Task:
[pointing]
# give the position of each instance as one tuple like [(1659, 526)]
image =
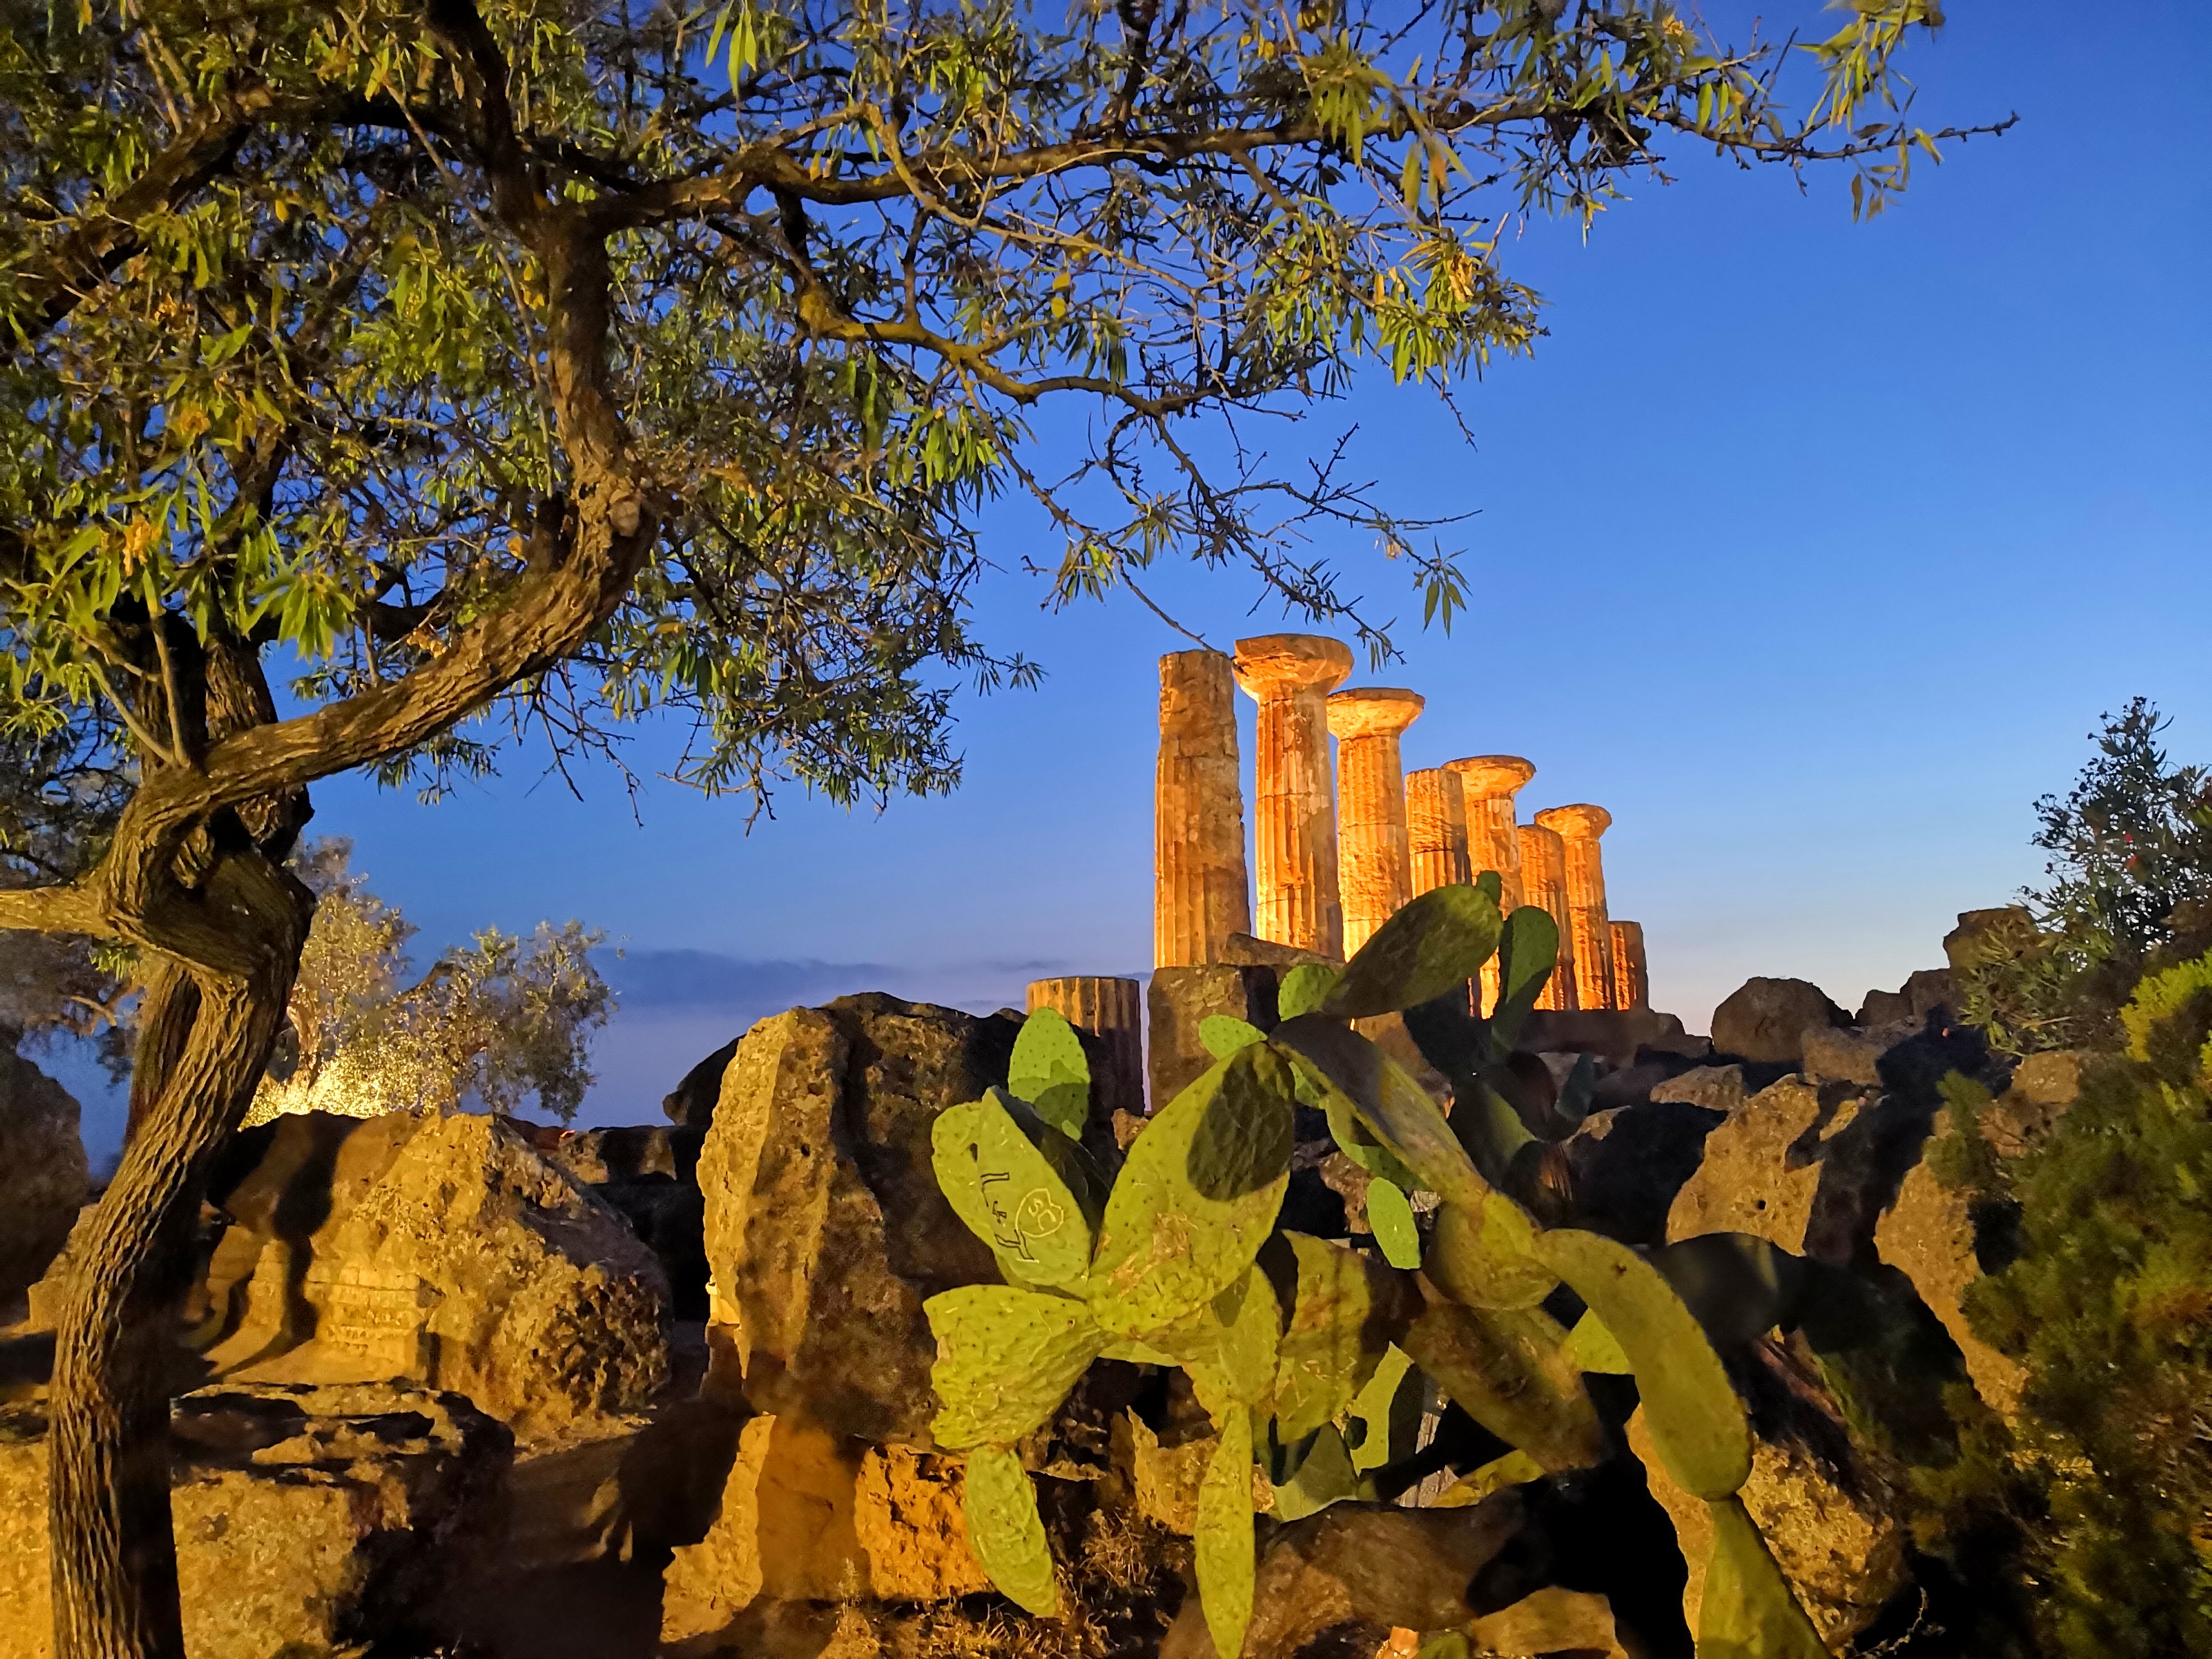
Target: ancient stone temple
[(1579, 827), (1200, 892), (1335, 849), (1289, 676), (1544, 879), (1435, 828), (1374, 867)]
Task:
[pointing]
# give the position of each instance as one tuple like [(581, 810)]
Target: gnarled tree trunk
[(114, 1570)]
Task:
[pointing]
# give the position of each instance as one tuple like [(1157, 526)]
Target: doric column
[(1435, 829), (1631, 974), (1486, 786), (1579, 827), (1374, 869), (1543, 882), (1200, 892), (1486, 783), (1110, 1013), (1289, 676)]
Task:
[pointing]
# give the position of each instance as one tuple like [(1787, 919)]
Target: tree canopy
[(335, 329)]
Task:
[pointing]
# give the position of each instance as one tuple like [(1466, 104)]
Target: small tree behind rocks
[(496, 1022)]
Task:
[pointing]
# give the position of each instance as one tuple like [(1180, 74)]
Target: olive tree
[(383, 380)]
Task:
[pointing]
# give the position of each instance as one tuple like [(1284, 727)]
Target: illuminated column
[(1435, 829), (1199, 894), (1544, 881), (1579, 827), (1112, 1010), (1289, 676), (1631, 974), (1374, 871), (1488, 784)]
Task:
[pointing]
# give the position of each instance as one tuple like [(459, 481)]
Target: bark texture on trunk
[(113, 1553)]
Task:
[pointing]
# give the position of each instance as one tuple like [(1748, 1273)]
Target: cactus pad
[(1005, 1532), (1197, 1197), (1696, 1422), (1224, 1537), (1438, 941), (1005, 1359), (1049, 1070)]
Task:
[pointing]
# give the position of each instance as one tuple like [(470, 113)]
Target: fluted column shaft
[(1544, 878), (1374, 867), (1579, 827), (1111, 1012), (1435, 829), (1201, 892), (1631, 972), (1289, 676), (1488, 784)]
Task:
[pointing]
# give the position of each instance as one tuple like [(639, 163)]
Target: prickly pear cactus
[(1159, 1263)]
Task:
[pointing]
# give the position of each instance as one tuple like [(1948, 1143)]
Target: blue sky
[(1811, 549)]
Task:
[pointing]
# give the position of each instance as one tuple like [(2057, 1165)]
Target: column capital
[(1487, 777), (1373, 711), (1273, 663), (1582, 821)]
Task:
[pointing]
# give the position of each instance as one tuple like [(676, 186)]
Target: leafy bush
[(2103, 1488)]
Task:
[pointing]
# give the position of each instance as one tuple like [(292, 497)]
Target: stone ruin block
[(308, 1519)]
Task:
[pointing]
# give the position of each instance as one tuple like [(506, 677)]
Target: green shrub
[(2104, 1485)]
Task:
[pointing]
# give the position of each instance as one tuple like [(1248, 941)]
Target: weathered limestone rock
[(1374, 874), (1631, 970), (807, 1515), (308, 1520), (441, 1249), (1200, 894), (1551, 1620), (825, 1228), (1488, 784), (1435, 829), (691, 1102), (1929, 1235), (1356, 1570), (1625, 1166), (2043, 1086), (1166, 1478), (648, 1173), (1759, 1171), (1766, 1019), (43, 1177), (1289, 676), (1828, 1509), (1543, 882), (1838, 1054), (1579, 827), (1109, 1013), (1720, 1087), (1179, 998), (1618, 1035)]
